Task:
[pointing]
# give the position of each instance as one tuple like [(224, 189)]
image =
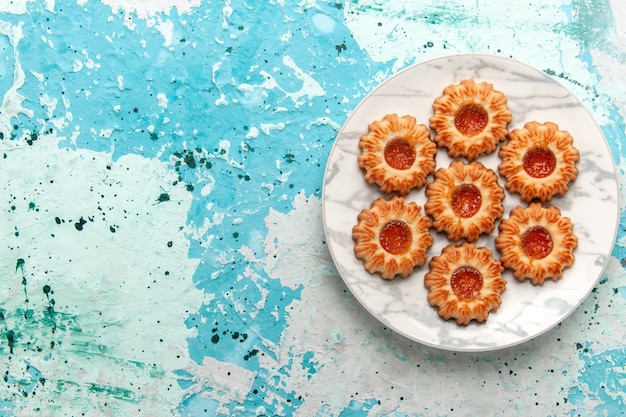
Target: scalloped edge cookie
[(460, 299), (447, 217), (395, 136), (524, 263), (367, 237), (549, 179), (470, 119)]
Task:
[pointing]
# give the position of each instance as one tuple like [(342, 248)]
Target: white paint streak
[(253, 133), (310, 87), (14, 6), (162, 100), (221, 381), (120, 82), (166, 28), (612, 65), (49, 103), (77, 66), (227, 12), (145, 9), (267, 128), (12, 101), (324, 121)]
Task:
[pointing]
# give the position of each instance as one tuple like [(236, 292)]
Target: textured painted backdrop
[(162, 251)]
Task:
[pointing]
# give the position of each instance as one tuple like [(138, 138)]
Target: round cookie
[(397, 154), (536, 243), (464, 283), (538, 161), (391, 237), (470, 119), (464, 200)]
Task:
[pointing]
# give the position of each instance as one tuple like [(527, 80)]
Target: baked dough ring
[(465, 283), (397, 154), (464, 200), (538, 161), (536, 243), (392, 237), (470, 119)]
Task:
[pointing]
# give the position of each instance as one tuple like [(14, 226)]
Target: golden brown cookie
[(464, 200), (470, 119), (536, 243), (391, 237), (397, 154), (464, 283), (538, 161)]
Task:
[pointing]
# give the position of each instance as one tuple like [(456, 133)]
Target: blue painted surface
[(261, 146)]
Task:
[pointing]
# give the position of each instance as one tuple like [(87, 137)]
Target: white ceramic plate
[(591, 202)]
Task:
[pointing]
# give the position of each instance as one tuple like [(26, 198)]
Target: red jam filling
[(471, 119), (539, 162), (395, 237), (537, 242), (466, 200), (399, 154), (466, 282)]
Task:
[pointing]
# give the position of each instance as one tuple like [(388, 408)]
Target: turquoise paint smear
[(221, 337), (199, 405), (7, 65), (41, 336), (614, 133), (601, 383), (309, 364), (593, 24), (39, 333), (6, 407), (359, 408), (85, 71), (460, 15)]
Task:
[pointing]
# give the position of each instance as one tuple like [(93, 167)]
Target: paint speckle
[(80, 224)]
